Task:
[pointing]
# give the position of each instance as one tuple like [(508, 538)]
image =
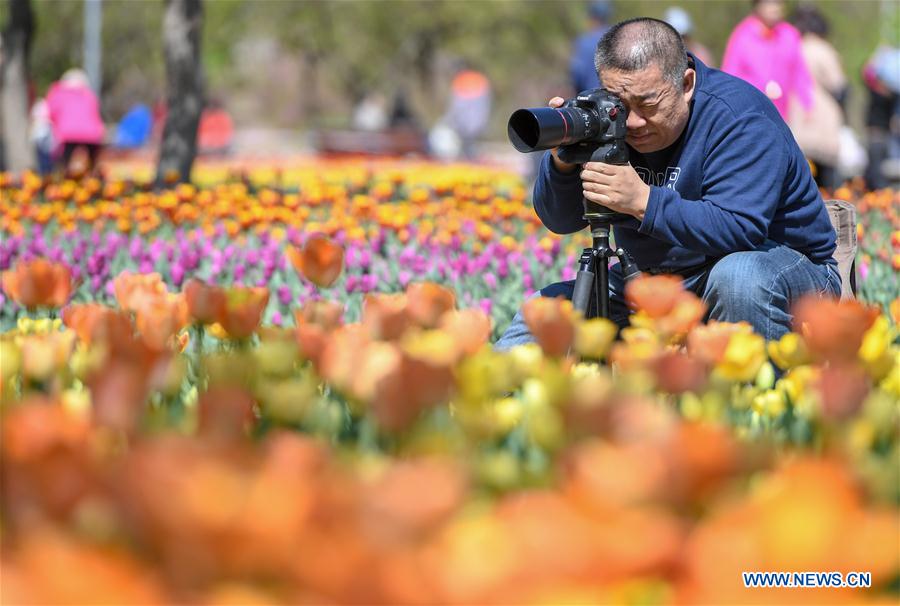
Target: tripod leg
[(581, 296), (603, 279)]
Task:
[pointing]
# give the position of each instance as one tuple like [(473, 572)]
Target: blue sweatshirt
[(733, 180)]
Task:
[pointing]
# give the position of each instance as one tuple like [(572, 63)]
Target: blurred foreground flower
[(833, 329), (243, 309), (552, 321), (662, 303), (38, 283), (206, 302)]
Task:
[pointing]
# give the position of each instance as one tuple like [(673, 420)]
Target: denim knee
[(758, 287), (737, 280)]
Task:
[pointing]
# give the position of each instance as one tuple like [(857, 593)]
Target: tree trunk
[(17, 153), (182, 25)]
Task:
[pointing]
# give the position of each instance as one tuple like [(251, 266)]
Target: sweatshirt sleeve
[(743, 172), (558, 199)]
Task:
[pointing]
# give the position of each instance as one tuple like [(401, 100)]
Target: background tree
[(182, 27), (17, 153), (297, 65)]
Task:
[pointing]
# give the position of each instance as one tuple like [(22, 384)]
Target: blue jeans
[(759, 287)]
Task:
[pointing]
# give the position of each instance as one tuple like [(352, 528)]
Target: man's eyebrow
[(646, 96)]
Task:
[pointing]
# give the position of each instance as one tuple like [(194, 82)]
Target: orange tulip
[(243, 310), (93, 322), (842, 389), (404, 385), (341, 362), (386, 317), (664, 306), (709, 342), (677, 373), (325, 314), (470, 327), (133, 290), (225, 412), (655, 295), (427, 302), (833, 329), (320, 260), (396, 498), (38, 283), (552, 322), (205, 301), (53, 568), (159, 320)]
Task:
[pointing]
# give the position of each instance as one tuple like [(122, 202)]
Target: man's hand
[(563, 167), (618, 188)]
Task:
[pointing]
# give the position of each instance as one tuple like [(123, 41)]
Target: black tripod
[(592, 280)]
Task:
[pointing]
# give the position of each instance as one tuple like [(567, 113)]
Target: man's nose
[(635, 120)]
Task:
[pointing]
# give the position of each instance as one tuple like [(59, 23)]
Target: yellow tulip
[(770, 403), (875, 351), (789, 351), (745, 354), (594, 337), (506, 414)]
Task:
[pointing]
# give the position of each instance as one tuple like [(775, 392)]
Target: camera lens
[(546, 127)]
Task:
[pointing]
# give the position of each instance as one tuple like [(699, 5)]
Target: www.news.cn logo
[(807, 579)]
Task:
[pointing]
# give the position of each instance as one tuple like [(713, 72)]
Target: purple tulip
[(486, 305), (177, 274), (368, 283), (284, 295)]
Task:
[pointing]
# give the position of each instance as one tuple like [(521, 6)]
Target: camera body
[(590, 127), (603, 117)]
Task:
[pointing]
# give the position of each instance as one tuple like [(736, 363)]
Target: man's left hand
[(616, 187)]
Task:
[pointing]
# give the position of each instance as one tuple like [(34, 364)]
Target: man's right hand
[(563, 167)]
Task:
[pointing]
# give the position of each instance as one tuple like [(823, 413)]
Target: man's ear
[(688, 84)]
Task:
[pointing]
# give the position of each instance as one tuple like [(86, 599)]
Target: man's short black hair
[(638, 43)]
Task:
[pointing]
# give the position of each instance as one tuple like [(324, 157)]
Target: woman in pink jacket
[(75, 117), (766, 51)]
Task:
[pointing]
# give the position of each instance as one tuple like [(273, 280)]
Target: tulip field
[(277, 386)]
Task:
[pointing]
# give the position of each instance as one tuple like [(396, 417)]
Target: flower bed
[(167, 439)]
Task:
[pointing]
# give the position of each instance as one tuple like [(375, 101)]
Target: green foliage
[(342, 50)]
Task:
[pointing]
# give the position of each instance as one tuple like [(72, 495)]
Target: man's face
[(658, 110)]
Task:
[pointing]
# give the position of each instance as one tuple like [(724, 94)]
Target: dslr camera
[(588, 128)]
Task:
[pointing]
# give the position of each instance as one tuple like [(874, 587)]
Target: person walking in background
[(881, 75), (41, 133), (678, 18), (470, 108), (75, 117), (817, 129), (765, 51), (582, 71)]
